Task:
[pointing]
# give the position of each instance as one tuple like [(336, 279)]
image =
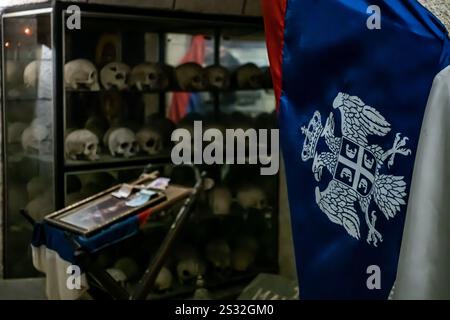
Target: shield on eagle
[(356, 167)]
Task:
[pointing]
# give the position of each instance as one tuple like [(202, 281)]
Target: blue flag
[(353, 80)]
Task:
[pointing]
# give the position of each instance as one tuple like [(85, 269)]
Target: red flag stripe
[(274, 12)]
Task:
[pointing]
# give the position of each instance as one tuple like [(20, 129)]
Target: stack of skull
[(152, 76), (81, 74), (148, 76)]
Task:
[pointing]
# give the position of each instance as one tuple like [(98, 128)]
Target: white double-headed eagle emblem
[(354, 166)]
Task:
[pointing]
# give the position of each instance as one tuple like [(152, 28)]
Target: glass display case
[(29, 148), (85, 109)]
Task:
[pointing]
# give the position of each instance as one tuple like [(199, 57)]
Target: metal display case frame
[(168, 21)]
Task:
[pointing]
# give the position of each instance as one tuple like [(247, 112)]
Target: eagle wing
[(389, 194), (374, 122), (337, 202), (360, 120)]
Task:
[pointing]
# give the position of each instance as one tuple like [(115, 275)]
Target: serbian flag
[(363, 89)]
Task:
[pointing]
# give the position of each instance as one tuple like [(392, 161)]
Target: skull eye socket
[(197, 79), (186, 273), (92, 75), (150, 143), (90, 146), (124, 145), (113, 69), (133, 146), (152, 76), (120, 76), (218, 79)]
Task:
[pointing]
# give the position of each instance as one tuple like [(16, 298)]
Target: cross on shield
[(356, 167)]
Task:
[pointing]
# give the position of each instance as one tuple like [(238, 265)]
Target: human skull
[(40, 206), (35, 186), (36, 139), (15, 131), (38, 75), (121, 142), (247, 242), (31, 74), (164, 279), (252, 197), (115, 74), (242, 259), (190, 76), (190, 268), (150, 76), (218, 253), (220, 200), (217, 77), (150, 141), (81, 143), (249, 76), (35, 71), (45, 122), (81, 74), (118, 276)]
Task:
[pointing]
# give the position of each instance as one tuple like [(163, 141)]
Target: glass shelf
[(107, 162)]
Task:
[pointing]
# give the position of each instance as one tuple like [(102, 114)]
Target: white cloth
[(424, 265), (55, 269)]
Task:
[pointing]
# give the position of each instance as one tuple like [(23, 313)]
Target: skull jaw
[(154, 150), (196, 86), (221, 83), (127, 153), (84, 156), (122, 86), (95, 87), (119, 86), (218, 85), (93, 157), (144, 85), (88, 85), (155, 85)]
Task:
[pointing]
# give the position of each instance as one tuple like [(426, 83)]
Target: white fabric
[(424, 266), (49, 262)]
